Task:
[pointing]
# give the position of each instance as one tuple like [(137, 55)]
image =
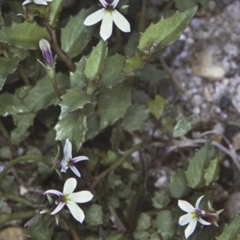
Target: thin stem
[(119, 162), (19, 200), (23, 74), (231, 152), (3, 50), (143, 13), (7, 137), (71, 228), (57, 49), (166, 68), (118, 43), (56, 89), (4, 131), (192, 143), (4, 218), (22, 159)]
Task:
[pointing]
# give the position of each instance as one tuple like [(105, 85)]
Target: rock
[(207, 68), (236, 141), (197, 100), (13, 233), (232, 206), (207, 94)]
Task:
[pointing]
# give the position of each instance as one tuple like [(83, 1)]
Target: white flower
[(108, 15), (68, 161), (40, 2), (194, 215), (69, 198)]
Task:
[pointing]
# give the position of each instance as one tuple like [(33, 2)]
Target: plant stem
[(119, 162), (57, 49), (143, 13), (56, 89), (7, 137), (71, 228), (19, 199), (22, 159), (4, 218), (23, 74)]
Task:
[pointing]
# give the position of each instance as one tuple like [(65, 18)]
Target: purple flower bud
[(46, 51)]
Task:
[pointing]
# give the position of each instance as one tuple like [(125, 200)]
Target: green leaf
[(144, 221), (178, 186), (132, 44), (212, 172), (113, 235), (24, 35), (22, 123), (109, 158), (161, 199), (231, 231), (72, 100), (94, 215), (151, 73), (73, 127), (157, 105), (141, 235), (77, 78), (11, 105), (116, 137), (93, 126), (7, 66), (95, 62), (112, 72), (42, 95), (5, 152), (183, 5), (135, 117), (120, 99), (133, 63), (40, 230), (182, 127), (18, 53), (56, 7), (75, 36), (197, 165), (166, 225), (165, 32)]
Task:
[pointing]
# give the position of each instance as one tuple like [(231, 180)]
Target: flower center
[(60, 199), (109, 6)]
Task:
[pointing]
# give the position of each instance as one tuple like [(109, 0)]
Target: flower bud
[(47, 53)]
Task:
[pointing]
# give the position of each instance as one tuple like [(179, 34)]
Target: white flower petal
[(186, 206), (115, 3), (185, 219), (94, 17), (121, 22), (76, 211), (190, 228), (26, 2), (198, 201), (40, 2), (67, 151), (106, 26), (79, 158), (203, 222), (69, 186), (104, 3), (64, 164), (58, 208), (52, 191), (75, 171), (81, 197)]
